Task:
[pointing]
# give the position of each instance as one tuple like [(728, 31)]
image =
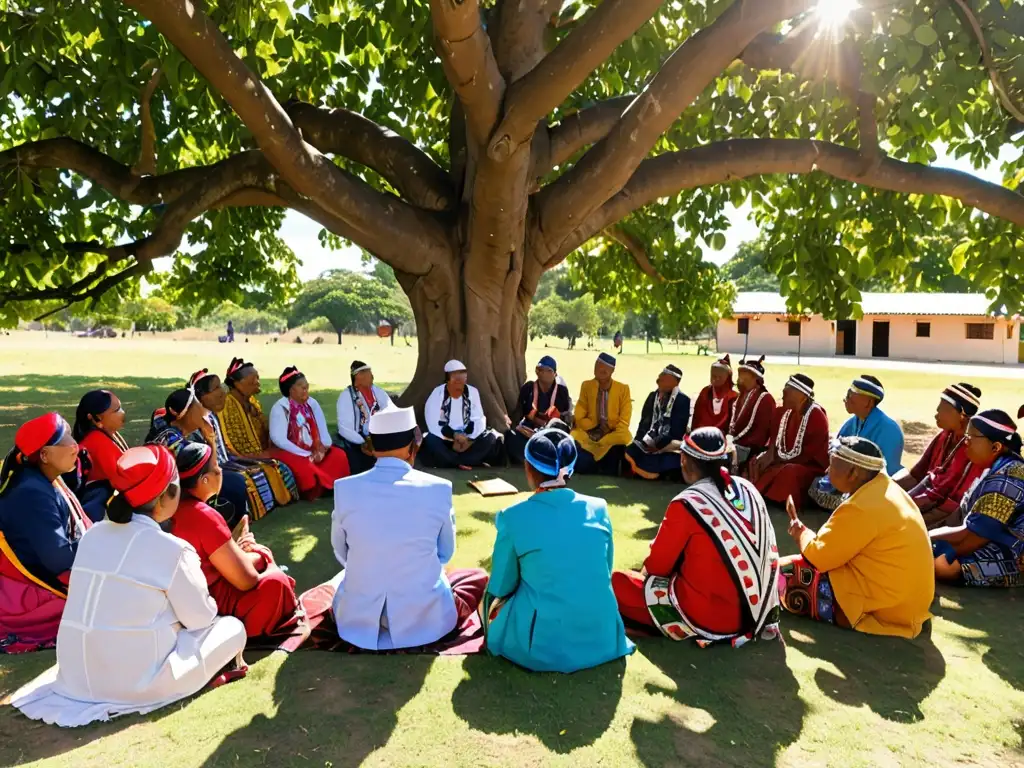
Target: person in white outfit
[(356, 404), (140, 630), (393, 531), (457, 433)]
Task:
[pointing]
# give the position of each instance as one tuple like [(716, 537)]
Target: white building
[(947, 327)]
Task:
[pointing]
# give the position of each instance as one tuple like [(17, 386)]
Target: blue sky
[(301, 233)]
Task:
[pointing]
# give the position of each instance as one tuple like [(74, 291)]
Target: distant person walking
[(617, 342), (231, 332)]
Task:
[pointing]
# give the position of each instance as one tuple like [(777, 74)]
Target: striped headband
[(360, 369), (800, 386), (993, 430), (205, 451), (677, 373), (845, 448), (868, 388), (756, 367), (690, 448), (289, 375), (962, 399), (724, 364)]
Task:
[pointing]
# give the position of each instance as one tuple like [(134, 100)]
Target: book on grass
[(494, 487)]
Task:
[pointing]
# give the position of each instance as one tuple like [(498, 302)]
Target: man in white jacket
[(457, 428), (356, 404)]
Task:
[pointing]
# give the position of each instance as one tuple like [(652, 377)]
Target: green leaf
[(717, 241), (926, 35), (958, 259), (900, 27)]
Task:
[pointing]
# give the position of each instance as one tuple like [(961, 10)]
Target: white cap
[(392, 420), (453, 365)]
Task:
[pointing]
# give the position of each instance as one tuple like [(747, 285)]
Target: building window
[(983, 331), (924, 330), (1009, 330), (743, 326), (794, 327)]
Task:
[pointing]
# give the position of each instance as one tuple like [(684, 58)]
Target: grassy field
[(825, 698)]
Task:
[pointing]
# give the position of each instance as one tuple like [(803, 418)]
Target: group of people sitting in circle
[(139, 566)]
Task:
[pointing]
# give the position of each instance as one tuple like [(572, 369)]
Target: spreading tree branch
[(636, 249), (1005, 98), (405, 166), (385, 225), (519, 44), (606, 168), (564, 69), (726, 161), (577, 131), (469, 63), (146, 165)]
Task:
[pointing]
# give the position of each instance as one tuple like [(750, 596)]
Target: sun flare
[(834, 13)]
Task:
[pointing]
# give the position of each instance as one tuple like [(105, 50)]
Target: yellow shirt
[(620, 411), (876, 551)]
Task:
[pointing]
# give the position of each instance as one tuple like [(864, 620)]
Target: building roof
[(957, 304)]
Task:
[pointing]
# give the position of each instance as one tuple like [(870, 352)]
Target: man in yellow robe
[(870, 566), (602, 419)]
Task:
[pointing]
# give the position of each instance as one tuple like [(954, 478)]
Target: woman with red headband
[(298, 430), (711, 573), (140, 630), (98, 421), (243, 577), (41, 523), (180, 422)]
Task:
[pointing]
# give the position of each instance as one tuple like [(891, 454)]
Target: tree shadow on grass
[(749, 695), (891, 675), (995, 613), (564, 712), (332, 709)]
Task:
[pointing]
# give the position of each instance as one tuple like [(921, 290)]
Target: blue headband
[(607, 359), (550, 466), (865, 387), (548, 362)]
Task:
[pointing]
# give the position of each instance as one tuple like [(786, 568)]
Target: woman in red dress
[(242, 576), (298, 430), (715, 403), (798, 450), (98, 421)]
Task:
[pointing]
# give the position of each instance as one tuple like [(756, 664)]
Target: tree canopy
[(473, 145), (351, 302)]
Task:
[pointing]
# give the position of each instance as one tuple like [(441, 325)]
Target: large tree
[(474, 144)]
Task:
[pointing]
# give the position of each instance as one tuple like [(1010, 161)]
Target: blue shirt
[(36, 520), (553, 563), (883, 432), (393, 530)]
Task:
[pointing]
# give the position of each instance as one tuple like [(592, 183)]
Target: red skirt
[(271, 603), (29, 614), (314, 479), (781, 481)]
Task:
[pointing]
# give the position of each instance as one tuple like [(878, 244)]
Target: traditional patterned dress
[(995, 511), (355, 407), (712, 571), (751, 424), (663, 422), (295, 430), (944, 476), (41, 524), (268, 482), (538, 409), (801, 452), (870, 563), (714, 408)]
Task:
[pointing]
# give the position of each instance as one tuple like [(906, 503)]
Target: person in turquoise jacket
[(867, 420), (549, 605)]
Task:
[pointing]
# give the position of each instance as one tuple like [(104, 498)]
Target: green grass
[(826, 698)]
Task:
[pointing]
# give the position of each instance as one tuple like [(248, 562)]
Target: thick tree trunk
[(451, 325)]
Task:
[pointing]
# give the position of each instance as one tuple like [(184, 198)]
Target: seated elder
[(393, 531), (140, 630), (939, 481), (242, 577), (711, 573), (601, 420), (798, 450), (988, 549), (663, 423), (181, 421), (98, 421), (864, 404), (356, 404), (298, 430), (549, 605), (715, 405), (869, 567), (750, 427), (41, 523), (268, 482), (541, 401), (457, 433)]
